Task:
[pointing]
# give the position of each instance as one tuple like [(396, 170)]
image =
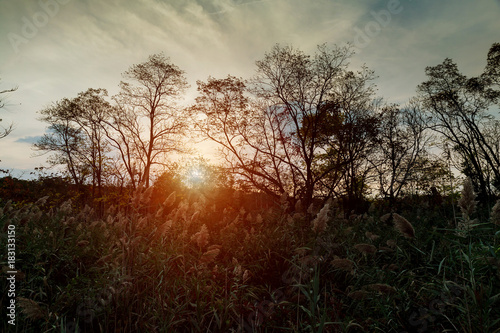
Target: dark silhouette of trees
[(64, 140), (146, 124), (287, 131), (76, 136), (458, 108), (402, 146)]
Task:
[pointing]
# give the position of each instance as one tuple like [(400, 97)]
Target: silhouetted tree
[(272, 131), (146, 124), (76, 136), (458, 107), (65, 139), (403, 142)]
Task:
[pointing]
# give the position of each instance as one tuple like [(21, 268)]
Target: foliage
[(188, 262)]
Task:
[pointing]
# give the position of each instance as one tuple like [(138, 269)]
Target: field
[(229, 261)]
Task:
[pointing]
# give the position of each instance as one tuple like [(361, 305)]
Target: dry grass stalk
[(381, 288), (391, 243), (30, 308), (319, 224), (384, 218), (403, 226), (210, 255), (201, 237), (366, 248), (164, 228), (358, 294), (467, 201), (371, 236), (495, 213), (345, 265)]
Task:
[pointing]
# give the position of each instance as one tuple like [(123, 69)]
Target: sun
[(195, 176)]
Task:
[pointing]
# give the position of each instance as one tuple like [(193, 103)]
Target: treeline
[(307, 126)]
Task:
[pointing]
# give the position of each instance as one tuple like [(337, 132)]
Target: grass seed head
[(403, 226), (495, 213), (366, 248), (467, 202)]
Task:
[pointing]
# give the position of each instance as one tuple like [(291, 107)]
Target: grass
[(190, 264)]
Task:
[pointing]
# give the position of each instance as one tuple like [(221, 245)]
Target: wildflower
[(298, 206), (391, 243), (164, 228), (358, 294), (195, 216), (66, 207), (403, 226), (83, 243), (467, 206), (159, 213), (320, 222)]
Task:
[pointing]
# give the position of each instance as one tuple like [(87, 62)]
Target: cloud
[(29, 139), (89, 43)]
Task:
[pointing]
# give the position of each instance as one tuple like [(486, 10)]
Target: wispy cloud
[(29, 139)]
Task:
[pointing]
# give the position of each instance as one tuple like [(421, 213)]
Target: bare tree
[(272, 133), (90, 112), (146, 124), (64, 139), (76, 136), (402, 144), (458, 107)]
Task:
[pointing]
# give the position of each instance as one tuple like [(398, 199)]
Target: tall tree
[(64, 139), (270, 131), (350, 137), (402, 145), (147, 124), (76, 136), (90, 114), (459, 109)]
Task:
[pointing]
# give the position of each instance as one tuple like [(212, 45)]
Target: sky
[(54, 49)]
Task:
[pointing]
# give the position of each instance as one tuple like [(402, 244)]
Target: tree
[(90, 114), (270, 132), (458, 108), (146, 124), (76, 136), (402, 144), (4, 131), (64, 140), (349, 136)]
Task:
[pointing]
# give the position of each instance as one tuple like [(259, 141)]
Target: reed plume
[(403, 226)]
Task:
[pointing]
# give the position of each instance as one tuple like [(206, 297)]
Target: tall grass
[(189, 265)]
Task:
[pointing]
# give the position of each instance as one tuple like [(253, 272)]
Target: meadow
[(229, 261)]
